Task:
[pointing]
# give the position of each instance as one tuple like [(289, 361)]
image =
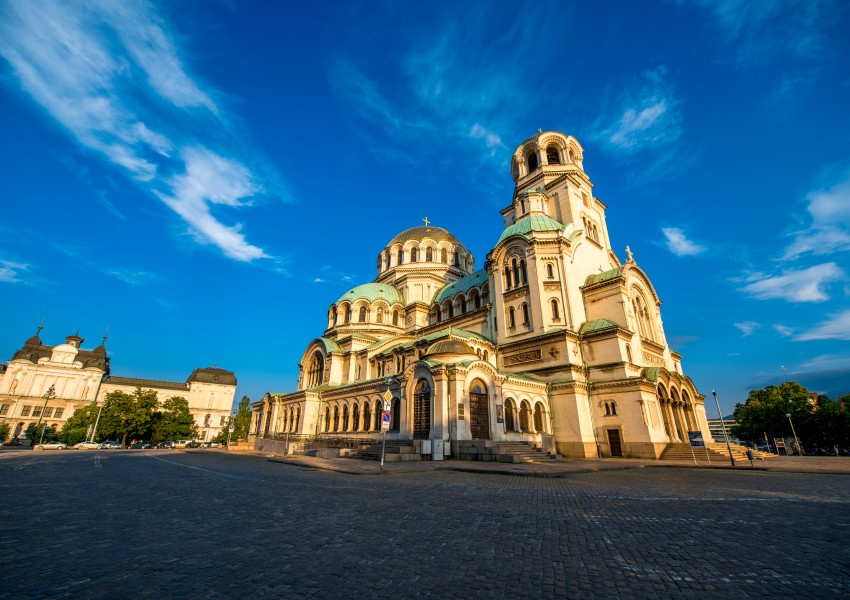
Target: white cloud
[(826, 362), (804, 285), (132, 277), (10, 272), (836, 327), (80, 62), (747, 327), (829, 231), (646, 116), (493, 141), (783, 330), (679, 244)]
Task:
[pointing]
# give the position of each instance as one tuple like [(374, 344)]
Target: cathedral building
[(48, 383), (555, 341)]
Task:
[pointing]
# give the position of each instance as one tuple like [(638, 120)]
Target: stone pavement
[(175, 524)]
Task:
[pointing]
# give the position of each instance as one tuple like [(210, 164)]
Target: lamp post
[(96, 421), (50, 393), (286, 450), (723, 425), (796, 441)]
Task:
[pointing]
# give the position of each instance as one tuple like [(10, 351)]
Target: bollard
[(751, 457)]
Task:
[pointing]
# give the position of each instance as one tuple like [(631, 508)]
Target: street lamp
[(723, 425), (51, 393), (289, 427), (796, 441)]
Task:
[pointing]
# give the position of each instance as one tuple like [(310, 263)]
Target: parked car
[(193, 444), (167, 444), (87, 446), (13, 443), (209, 445), (181, 443), (111, 445), (142, 445), (51, 446)]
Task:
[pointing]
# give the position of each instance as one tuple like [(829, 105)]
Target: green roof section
[(330, 345), (606, 276), (372, 292), (528, 224), (598, 325), (476, 279), (650, 373)]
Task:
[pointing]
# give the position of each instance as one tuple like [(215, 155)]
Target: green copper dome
[(438, 234), (529, 224), (372, 292)]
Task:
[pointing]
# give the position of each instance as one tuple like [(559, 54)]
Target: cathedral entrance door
[(479, 413), (614, 442), (422, 410)]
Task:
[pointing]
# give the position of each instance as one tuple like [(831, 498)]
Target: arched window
[(380, 261), (362, 314), (387, 258), (525, 416), (476, 299), (333, 316), (336, 418), (297, 417), (355, 418), (456, 258), (438, 314), (515, 265), (614, 408), (347, 314), (522, 206), (507, 277), (539, 421), (377, 425), (400, 256), (511, 318), (523, 272), (532, 162), (395, 415), (429, 255), (367, 416), (485, 355), (462, 305), (316, 370), (607, 410), (629, 353), (345, 417), (422, 410), (327, 418), (552, 156), (525, 319), (556, 314), (444, 256), (449, 309), (395, 318), (550, 271), (380, 316), (414, 255), (510, 415)]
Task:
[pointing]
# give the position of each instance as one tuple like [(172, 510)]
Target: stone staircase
[(718, 453), (524, 452), (396, 451)]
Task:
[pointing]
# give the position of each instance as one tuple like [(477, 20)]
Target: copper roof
[(438, 234)]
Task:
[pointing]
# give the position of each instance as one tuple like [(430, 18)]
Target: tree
[(174, 421), (241, 422), (5, 428), (128, 414), (77, 426)]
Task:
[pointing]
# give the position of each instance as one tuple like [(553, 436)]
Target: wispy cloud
[(678, 243), (80, 62), (803, 285), (747, 327), (11, 272), (827, 362), (835, 327), (646, 115), (132, 277), (760, 32), (783, 330), (829, 231)]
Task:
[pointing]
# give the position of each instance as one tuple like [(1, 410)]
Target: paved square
[(159, 524)]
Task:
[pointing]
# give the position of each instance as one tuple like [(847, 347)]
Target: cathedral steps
[(523, 452), (396, 451), (717, 452)]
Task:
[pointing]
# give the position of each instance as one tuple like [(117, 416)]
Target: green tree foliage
[(75, 428), (5, 429), (174, 421), (126, 415), (241, 422), (820, 423)]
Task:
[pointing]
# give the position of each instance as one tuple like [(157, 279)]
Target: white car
[(87, 446), (51, 446)]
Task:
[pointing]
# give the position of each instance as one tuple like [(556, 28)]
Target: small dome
[(212, 375), (438, 234), (450, 347), (372, 292)]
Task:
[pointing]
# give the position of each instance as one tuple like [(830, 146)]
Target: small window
[(48, 412), (511, 318), (532, 162), (380, 316), (362, 314), (552, 156), (222, 421), (462, 305), (348, 314), (525, 314), (556, 314), (523, 272), (507, 277), (400, 256), (614, 409), (4, 408), (550, 271), (444, 256), (36, 411), (414, 255), (429, 255), (395, 318), (456, 259)]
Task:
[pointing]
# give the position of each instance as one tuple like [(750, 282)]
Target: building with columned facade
[(554, 340)]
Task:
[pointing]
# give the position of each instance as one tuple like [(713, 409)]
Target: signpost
[(386, 418), (230, 431), (697, 441)]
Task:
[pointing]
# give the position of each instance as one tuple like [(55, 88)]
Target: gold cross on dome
[(427, 222)]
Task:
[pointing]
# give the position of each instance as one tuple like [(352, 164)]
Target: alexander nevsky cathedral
[(555, 342)]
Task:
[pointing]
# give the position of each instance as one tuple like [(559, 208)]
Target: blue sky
[(207, 178)]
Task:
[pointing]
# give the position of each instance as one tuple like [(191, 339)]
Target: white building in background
[(80, 376), (554, 341)]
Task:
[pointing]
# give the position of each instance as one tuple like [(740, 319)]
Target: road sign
[(386, 417), (207, 425), (388, 396), (696, 439), (232, 428)]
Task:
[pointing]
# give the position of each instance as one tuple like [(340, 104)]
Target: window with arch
[(333, 316), (367, 416), (449, 309), (345, 417), (556, 313), (414, 255), (643, 318), (462, 305), (539, 421), (552, 155), (511, 318), (429, 255), (377, 424), (485, 355), (444, 256), (316, 369), (629, 353), (395, 318), (327, 418), (336, 418), (523, 272), (387, 258), (456, 259), (355, 418), (525, 319), (400, 256), (380, 262), (379, 317), (532, 162), (515, 269), (475, 298), (347, 314), (550, 271), (522, 206), (507, 277), (510, 415), (362, 318), (438, 314)]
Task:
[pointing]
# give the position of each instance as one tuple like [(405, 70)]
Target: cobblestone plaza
[(154, 524)]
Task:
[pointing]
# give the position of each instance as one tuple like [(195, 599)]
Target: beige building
[(555, 341), (80, 376)]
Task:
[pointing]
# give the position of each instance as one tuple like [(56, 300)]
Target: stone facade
[(81, 376), (555, 341)]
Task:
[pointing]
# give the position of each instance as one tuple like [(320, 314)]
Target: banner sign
[(696, 439), (500, 414)]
